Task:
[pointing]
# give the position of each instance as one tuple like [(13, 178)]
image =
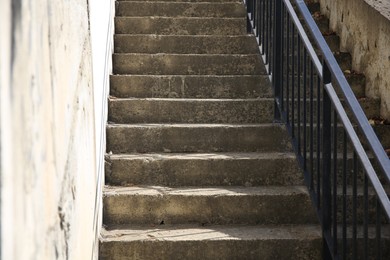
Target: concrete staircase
[(196, 168)]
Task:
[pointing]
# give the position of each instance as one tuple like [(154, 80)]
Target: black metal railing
[(345, 167)]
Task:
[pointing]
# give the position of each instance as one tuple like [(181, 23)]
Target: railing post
[(326, 206), (249, 10), (277, 57)]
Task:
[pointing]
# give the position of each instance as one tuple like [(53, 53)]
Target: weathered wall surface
[(48, 159), (364, 29)]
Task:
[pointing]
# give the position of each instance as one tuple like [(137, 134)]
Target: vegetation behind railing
[(344, 164)]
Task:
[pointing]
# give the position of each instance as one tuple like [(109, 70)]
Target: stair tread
[(180, 9), (185, 100), (204, 191), (180, 25), (186, 125), (203, 156), (217, 232)]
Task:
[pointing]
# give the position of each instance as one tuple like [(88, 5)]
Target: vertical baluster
[(304, 108), (270, 33), (335, 182), (326, 162), (288, 70), (365, 217), (293, 101), (354, 206), (282, 34), (344, 197), (318, 141), (277, 55), (267, 31), (378, 229), (285, 25), (263, 2), (311, 126), (258, 18), (299, 95)]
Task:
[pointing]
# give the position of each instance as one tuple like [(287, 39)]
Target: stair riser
[(190, 86), (185, 44), (190, 111), (206, 172), (213, 249), (197, 139), (184, 209), (180, 26), (174, 9), (165, 64)]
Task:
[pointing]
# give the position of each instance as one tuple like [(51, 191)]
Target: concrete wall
[(364, 29), (50, 146)]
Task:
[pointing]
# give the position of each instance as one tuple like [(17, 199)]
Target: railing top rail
[(348, 95)]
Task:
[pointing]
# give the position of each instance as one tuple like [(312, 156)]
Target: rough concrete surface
[(143, 138), (190, 86), (180, 26), (203, 169), (140, 8), (208, 205), (364, 30), (231, 111), (213, 242), (188, 64), (50, 169), (185, 44)]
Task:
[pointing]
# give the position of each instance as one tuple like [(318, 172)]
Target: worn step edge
[(156, 110), (180, 26), (185, 44), (180, 9), (215, 242), (203, 169), (124, 233), (188, 64), (215, 205), (144, 138), (190, 86)]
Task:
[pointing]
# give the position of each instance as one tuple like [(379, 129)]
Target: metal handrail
[(346, 90), (281, 36)]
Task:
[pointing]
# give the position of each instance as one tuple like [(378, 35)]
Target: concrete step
[(212, 242), (333, 41), (177, 138), (383, 133), (207, 205), (370, 106), (179, 9), (357, 81), (180, 26), (188, 64), (203, 169), (322, 22), (187, 86), (186, 44), (313, 6), (192, 111), (344, 60)]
